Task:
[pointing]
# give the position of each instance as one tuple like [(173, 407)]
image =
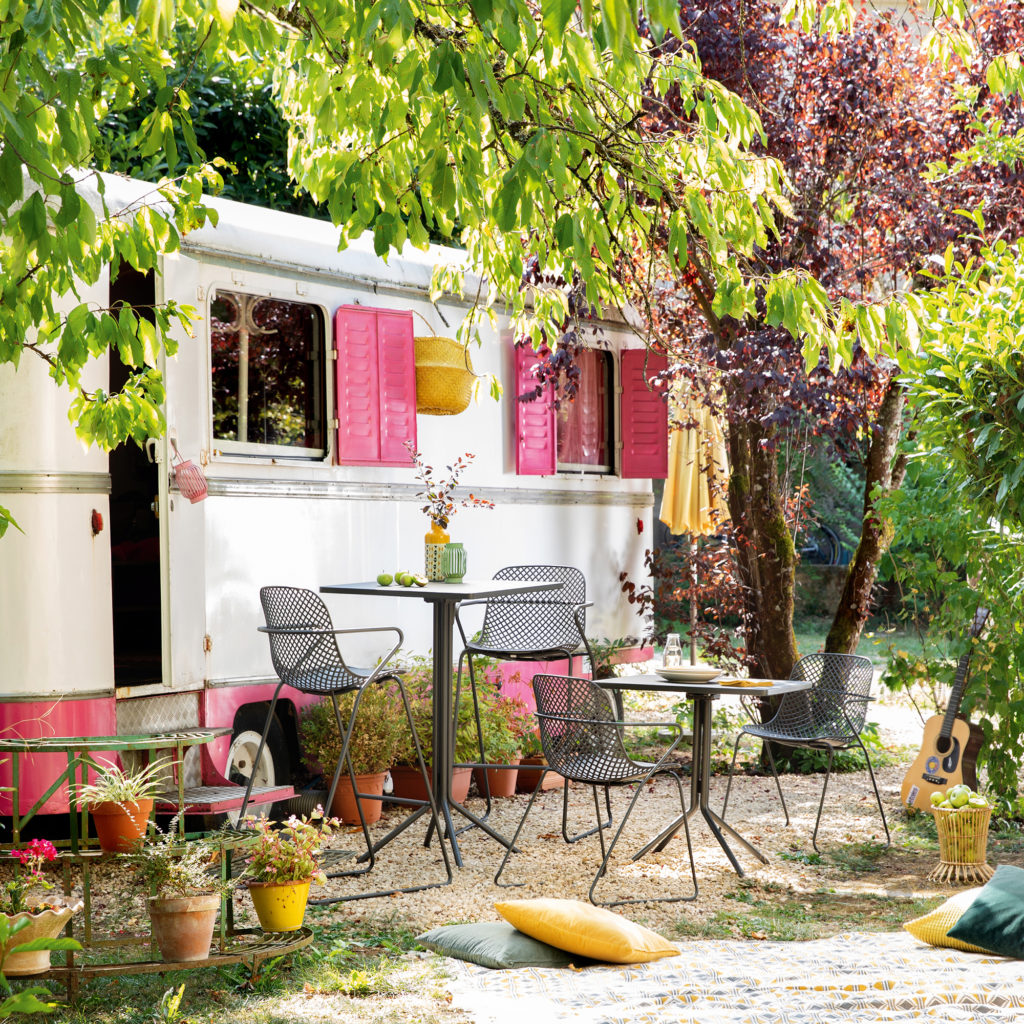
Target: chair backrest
[(310, 662), (577, 728), (541, 621), (836, 705)]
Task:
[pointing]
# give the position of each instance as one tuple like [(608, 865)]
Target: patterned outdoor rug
[(847, 979)]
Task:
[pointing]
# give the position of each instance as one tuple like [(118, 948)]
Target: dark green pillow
[(495, 944), (995, 920)]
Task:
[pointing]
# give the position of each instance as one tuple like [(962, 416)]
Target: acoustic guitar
[(949, 750)]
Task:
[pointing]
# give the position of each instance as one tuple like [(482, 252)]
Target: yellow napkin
[(744, 682)]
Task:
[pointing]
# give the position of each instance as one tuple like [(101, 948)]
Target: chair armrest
[(299, 631)]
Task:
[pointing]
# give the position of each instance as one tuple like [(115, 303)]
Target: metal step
[(221, 799)]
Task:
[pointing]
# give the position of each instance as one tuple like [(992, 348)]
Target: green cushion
[(495, 944), (995, 920)]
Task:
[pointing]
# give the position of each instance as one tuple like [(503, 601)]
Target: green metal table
[(80, 751)]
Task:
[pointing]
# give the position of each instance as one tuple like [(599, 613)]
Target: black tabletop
[(470, 590)]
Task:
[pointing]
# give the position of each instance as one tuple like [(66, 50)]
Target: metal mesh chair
[(305, 653), (829, 717), (538, 626), (582, 740)]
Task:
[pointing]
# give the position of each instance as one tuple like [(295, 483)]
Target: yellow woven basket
[(963, 844), (444, 376)]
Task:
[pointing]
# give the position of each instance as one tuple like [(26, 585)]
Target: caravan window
[(583, 425), (267, 365)]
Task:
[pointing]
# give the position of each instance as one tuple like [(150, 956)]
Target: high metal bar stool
[(306, 656)]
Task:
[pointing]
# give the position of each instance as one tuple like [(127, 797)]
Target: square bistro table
[(444, 597), (702, 695)]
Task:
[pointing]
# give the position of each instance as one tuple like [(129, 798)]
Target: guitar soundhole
[(943, 744)]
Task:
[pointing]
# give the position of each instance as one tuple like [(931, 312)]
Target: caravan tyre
[(273, 767)]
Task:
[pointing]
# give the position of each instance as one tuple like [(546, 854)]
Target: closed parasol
[(694, 500)]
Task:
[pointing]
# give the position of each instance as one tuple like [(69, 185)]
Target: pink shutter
[(397, 360), (357, 386), (535, 421), (644, 417), (375, 386)]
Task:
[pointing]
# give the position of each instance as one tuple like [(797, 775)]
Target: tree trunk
[(884, 473), (764, 549)]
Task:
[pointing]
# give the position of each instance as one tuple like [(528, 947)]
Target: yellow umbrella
[(694, 500)]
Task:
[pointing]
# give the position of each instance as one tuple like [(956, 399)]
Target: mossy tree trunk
[(764, 550), (884, 472)]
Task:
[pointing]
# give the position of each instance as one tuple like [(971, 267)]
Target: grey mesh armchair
[(305, 653), (582, 740), (829, 717), (540, 626)]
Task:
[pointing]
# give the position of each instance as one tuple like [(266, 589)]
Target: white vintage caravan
[(125, 608)]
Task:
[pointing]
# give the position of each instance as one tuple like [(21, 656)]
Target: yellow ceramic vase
[(434, 543), (280, 906)]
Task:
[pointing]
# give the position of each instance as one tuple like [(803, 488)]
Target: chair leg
[(878, 798), (607, 856), (590, 831), (775, 773), (522, 821), (732, 766), (435, 820), (821, 802), (259, 753)]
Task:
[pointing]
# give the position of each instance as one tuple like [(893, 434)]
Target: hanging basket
[(444, 376)]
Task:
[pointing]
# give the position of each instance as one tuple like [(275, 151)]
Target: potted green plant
[(27, 918), (504, 725), (121, 802), (184, 890), (282, 862), (375, 739), (405, 774)]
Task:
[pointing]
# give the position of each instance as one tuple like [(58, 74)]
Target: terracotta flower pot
[(119, 826), (527, 781), (280, 906), (183, 926), (409, 784), (346, 805), (500, 781), (47, 924)]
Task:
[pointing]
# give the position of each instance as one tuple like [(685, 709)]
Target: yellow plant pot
[(280, 906)]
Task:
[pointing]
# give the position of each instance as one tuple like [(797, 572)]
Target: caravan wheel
[(272, 768)]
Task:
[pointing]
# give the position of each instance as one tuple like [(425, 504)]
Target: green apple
[(406, 579), (937, 797), (977, 800), (959, 795), (420, 581), (385, 579)]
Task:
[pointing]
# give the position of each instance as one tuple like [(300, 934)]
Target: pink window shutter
[(644, 417), (397, 361), (535, 421), (357, 386), (375, 386)]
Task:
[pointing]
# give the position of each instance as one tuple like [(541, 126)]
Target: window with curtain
[(584, 425)]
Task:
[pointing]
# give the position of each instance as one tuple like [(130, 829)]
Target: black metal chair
[(582, 740), (540, 626), (306, 656), (829, 717)]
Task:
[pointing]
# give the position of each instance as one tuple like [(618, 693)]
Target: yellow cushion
[(586, 930), (934, 926)]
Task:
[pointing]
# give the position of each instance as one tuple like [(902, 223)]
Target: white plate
[(688, 673)]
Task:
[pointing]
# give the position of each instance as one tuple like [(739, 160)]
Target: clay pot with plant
[(282, 862), (533, 755), (378, 731), (26, 917), (418, 680), (504, 725), (121, 802), (184, 890)]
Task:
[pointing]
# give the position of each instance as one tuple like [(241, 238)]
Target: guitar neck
[(956, 695)]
